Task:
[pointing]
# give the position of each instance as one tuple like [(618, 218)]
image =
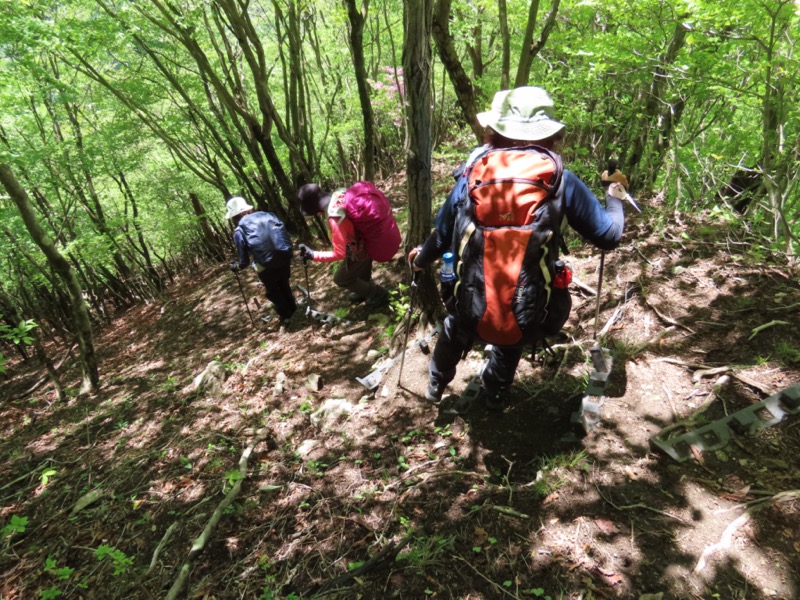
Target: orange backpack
[(506, 242)]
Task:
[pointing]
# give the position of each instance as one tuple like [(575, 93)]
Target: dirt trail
[(382, 495)]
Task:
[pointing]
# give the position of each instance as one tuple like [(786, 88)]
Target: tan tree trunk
[(80, 314), (418, 15), (357, 18), (466, 92), (530, 48), (505, 37)]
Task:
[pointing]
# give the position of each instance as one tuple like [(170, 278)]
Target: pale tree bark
[(417, 22), (530, 48), (80, 314), (466, 92), (357, 18), (774, 115)]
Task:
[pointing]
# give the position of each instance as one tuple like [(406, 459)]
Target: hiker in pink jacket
[(357, 238)]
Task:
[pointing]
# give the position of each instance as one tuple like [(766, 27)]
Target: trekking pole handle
[(611, 167)]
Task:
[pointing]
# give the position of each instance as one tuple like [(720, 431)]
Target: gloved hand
[(234, 266), (617, 190), (306, 253), (412, 254), (616, 176)]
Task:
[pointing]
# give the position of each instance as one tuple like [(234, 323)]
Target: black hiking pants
[(455, 339), (276, 281)]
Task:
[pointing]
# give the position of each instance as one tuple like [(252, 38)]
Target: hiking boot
[(287, 321), (355, 298), (493, 398), (434, 393), (378, 299)]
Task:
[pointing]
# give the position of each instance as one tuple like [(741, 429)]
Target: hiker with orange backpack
[(363, 229), (502, 222)]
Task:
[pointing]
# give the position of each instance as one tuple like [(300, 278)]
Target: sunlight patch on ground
[(183, 489), (143, 433), (715, 515)]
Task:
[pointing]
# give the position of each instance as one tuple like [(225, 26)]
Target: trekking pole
[(241, 289), (308, 286), (611, 167), (599, 290), (408, 324)]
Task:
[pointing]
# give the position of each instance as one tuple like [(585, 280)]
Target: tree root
[(160, 547), (741, 521), (643, 507), (200, 543), (667, 319)]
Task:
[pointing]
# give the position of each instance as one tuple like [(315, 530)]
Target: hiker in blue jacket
[(264, 236), (519, 117)]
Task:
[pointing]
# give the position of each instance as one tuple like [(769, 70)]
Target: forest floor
[(351, 493)]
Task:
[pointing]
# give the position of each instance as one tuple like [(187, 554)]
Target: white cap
[(236, 206)]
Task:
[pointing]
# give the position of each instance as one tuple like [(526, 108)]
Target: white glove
[(617, 190)]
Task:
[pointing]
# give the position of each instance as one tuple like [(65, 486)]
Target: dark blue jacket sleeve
[(441, 240), (601, 226), (241, 248)]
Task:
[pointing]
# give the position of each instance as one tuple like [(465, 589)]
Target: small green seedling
[(120, 561), (15, 525)]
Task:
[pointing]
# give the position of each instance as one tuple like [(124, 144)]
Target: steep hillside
[(351, 493)]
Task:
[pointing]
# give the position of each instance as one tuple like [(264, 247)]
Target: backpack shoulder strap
[(558, 170)]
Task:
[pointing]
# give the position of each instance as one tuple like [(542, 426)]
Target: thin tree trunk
[(356, 18), (505, 37), (83, 324), (49, 367), (418, 21), (530, 48), (466, 92), (652, 110)]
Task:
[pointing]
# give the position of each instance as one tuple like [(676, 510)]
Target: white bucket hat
[(524, 113), (236, 206)]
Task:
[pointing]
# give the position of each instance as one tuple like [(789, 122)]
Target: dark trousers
[(454, 341), (356, 277), (276, 281)]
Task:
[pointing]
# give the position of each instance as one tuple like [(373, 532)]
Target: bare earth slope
[(385, 496)]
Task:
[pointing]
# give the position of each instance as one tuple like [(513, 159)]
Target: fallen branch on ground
[(639, 348), (39, 383), (161, 544), (691, 419), (26, 475), (617, 313), (741, 521), (764, 389), (389, 551), (761, 328), (493, 584), (507, 510), (643, 507), (663, 317), (200, 543), (708, 370), (583, 286)]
